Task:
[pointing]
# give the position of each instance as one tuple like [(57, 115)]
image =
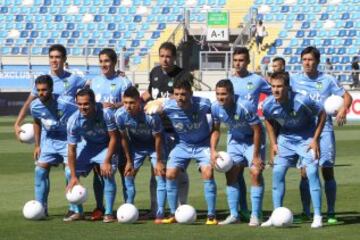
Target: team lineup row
[(294, 120)]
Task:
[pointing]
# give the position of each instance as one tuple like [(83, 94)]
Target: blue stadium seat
[(272, 51), (287, 51), (312, 33), (349, 24), (305, 25), (70, 26), (331, 51), (278, 42), (116, 34), (300, 34), (155, 35), (111, 26), (135, 43), (75, 34), (161, 26), (345, 60), (348, 42), (34, 34), (65, 34), (300, 17), (137, 18)]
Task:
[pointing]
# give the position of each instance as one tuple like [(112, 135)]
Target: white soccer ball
[(127, 213), (282, 217), (224, 162), (33, 210), (185, 214), (332, 104), (77, 195), (27, 133)]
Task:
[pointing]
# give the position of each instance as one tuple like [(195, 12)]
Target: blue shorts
[(90, 155), (242, 152), (53, 152), (182, 153), (290, 151), (139, 154), (327, 149)]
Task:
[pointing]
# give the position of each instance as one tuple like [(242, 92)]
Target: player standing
[(92, 140), (300, 121), (245, 145)]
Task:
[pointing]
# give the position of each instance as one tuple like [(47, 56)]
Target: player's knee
[(207, 173), (328, 174), (171, 174)]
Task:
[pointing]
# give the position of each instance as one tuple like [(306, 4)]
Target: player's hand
[(73, 181), (258, 163), (341, 116), (37, 151), (155, 106), (129, 169), (108, 105), (160, 169), (273, 152), (213, 156), (105, 170), (315, 150), (18, 130)]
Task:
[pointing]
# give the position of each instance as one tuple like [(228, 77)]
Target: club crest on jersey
[(60, 113), (293, 113), (171, 83), (66, 84), (319, 85), (250, 86), (236, 117), (112, 87)]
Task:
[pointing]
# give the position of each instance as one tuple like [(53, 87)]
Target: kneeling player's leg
[(172, 188), (278, 188), (233, 189), (257, 191), (159, 174), (42, 186), (153, 190), (110, 192), (305, 192), (72, 207), (209, 188), (183, 184), (242, 195), (315, 187)]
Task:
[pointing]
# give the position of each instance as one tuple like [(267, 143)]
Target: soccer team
[(104, 125)]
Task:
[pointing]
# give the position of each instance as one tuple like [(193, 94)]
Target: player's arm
[(273, 140), (314, 145), (257, 161), (37, 137), (72, 166), (160, 167), (341, 115), (106, 166), (145, 96), (214, 140), (22, 115), (129, 166)]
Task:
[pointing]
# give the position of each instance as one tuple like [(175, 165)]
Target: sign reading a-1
[(217, 26)]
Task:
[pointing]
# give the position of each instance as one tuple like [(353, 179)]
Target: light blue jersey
[(191, 125), (68, 85), (93, 130), (250, 87), (318, 89), (239, 118), (296, 117), (140, 128), (109, 89), (53, 117)]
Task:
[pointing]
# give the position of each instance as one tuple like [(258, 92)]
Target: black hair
[(168, 46), (110, 53), (280, 59), (183, 81), (132, 92), (45, 79), (281, 76), (242, 50), (58, 47), (86, 92), (313, 50), (226, 83)]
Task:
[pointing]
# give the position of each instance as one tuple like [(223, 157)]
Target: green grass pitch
[(16, 187)]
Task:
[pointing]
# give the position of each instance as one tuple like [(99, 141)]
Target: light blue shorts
[(327, 149), (53, 152), (242, 152), (290, 151), (90, 155), (182, 153), (139, 155)]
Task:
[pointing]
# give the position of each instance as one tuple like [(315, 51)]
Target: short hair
[(182, 81), (242, 50), (168, 46), (313, 50), (132, 92), (110, 53), (279, 59), (45, 79), (86, 92), (281, 76), (226, 83), (58, 47)]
